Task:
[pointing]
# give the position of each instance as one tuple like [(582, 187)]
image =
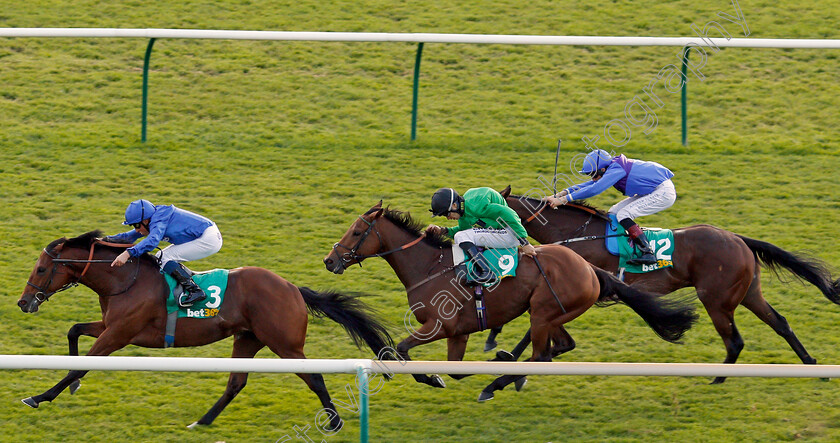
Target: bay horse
[(446, 307), (260, 309), (722, 266)]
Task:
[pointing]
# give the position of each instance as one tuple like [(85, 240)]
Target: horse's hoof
[(489, 346), (335, 427), (195, 425), (30, 402), (436, 381), (519, 383), (718, 380), (75, 386), (504, 356), (485, 396)]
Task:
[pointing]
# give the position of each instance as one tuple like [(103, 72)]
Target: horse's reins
[(57, 260), (351, 255)]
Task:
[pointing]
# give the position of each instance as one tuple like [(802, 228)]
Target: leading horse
[(260, 309), (563, 289), (722, 266)]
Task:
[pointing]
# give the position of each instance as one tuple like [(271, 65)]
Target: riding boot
[(192, 293), (638, 236), (481, 269)]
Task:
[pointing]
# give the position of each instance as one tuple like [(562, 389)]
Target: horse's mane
[(83, 241), (408, 224), (578, 205)]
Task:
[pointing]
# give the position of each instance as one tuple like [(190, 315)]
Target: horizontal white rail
[(185, 364), (422, 37)]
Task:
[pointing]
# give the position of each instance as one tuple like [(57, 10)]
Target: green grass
[(284, 143)]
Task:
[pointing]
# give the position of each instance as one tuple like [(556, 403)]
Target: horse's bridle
[(43, 295), (350, 255)]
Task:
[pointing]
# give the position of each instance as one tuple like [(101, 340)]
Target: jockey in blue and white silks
[(647, 185), (192, 237)]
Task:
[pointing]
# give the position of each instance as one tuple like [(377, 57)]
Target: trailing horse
[(722, 266)]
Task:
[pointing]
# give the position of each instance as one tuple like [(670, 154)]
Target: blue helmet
[(137, 211), (596, 160)]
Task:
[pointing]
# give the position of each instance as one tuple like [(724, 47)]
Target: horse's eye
[(356, 233), (41, 270)]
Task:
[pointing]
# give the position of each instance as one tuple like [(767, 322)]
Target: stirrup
[(188, 299), (645, 259)]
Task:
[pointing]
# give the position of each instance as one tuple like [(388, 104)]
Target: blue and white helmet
[(596, 160), (137, 211)]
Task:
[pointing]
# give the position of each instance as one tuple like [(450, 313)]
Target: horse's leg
[(540, 338), (108, 342), (490, 343), (563, 342), (429, 331), (724, 322), (245, 345), (756, 303), (93, 329), (455, 348), (517, 350)]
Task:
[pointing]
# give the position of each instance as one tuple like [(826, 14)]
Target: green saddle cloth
[(213, 283), (662, 243), (503, 263)]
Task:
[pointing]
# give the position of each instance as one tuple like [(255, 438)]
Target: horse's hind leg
[(540, 339), (756, 303), (245, 345), (490, 343)]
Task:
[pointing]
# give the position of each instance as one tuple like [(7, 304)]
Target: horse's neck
[(566, 223), (106, 280), (413, 263)]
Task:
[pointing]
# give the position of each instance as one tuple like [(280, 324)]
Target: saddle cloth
[(503, 262), (213, 283), (661, 241)]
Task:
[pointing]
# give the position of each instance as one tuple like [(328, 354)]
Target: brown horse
[(722, 266), (446, 308), (260, 309)]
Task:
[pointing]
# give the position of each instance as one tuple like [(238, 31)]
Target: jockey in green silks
[(484, 219)]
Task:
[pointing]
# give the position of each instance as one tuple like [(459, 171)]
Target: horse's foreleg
[(724, 323), (456, 347), (245, 345), (104, 345), (517, 350), (429, 332), (490, 343), (92, 329)]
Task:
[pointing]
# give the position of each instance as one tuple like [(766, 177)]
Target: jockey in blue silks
[(647, 185), (192, 237)]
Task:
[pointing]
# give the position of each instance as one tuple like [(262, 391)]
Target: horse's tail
[(668, 317), (805, 268), (348, 311)]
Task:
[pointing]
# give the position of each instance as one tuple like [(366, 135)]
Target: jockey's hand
[(557, 201), (529, 250), (121, 259), (436, 230)]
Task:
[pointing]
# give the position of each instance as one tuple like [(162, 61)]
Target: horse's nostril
[(21, 303)]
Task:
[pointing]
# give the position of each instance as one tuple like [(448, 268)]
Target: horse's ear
[(376, 210), (505, 192)]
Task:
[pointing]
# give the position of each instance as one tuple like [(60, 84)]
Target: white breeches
[(663, 197), (208, 244), (489, 238)]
